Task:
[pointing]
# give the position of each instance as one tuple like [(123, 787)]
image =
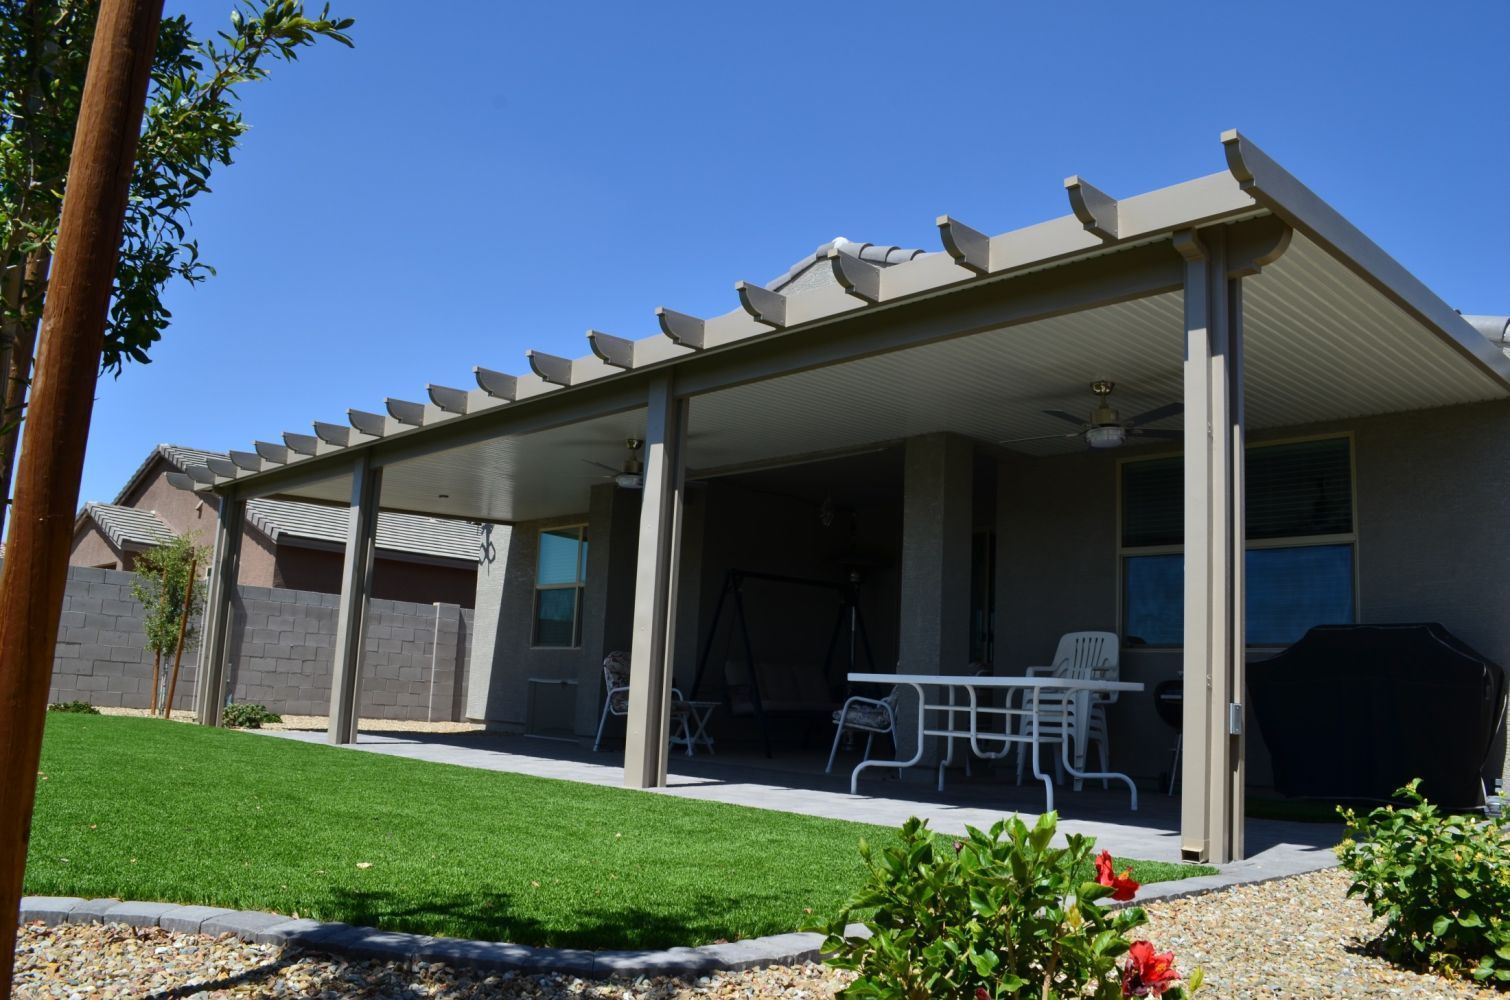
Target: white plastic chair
[(616, 679), (1079, 656), (867, 715)]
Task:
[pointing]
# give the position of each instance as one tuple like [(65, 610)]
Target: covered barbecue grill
[(1353, 712)]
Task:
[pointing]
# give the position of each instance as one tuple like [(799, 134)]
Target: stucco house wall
[(1432, 493)]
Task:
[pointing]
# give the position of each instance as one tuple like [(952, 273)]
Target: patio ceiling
[(1333, 329)]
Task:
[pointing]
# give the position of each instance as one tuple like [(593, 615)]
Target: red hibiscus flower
[(981, 994), (1147, 973), (1123, 886)]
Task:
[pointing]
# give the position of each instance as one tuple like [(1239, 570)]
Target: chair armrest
[(1039, 672)]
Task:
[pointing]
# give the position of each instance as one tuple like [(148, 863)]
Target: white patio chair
[(1079, 656), (616, 678), (867, 715)]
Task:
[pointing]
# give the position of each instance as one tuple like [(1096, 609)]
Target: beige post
[(356, 585), (651, 659), (225, 567), (1211, 802)]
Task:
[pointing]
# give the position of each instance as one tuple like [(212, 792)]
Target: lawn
[(153, 810)]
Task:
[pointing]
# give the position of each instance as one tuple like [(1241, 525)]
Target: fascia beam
[(764, 305), (1096, 210), (1273, 187), (615, 351)]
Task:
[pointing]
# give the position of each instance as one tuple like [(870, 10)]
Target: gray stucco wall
[(281, 644), (1433, 502)]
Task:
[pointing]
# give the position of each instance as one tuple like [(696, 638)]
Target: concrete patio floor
[(794, 782)]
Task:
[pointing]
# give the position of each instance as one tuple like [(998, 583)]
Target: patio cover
[(1240, 292)]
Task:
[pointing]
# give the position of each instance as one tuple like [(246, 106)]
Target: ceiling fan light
[(629, 481), (1106, 437)]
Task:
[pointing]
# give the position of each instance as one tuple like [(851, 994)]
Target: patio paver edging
[(373, 943)]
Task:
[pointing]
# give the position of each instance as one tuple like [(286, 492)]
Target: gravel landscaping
[(1295, 937)]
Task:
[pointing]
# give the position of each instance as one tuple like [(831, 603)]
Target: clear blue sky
[(479, 178)]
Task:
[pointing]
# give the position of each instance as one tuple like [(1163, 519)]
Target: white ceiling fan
[(632, 475), (1106, 428)]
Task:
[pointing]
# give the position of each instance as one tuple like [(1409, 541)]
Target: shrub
[(248, 716), (76, 707), (1441, 884), (996, 915)]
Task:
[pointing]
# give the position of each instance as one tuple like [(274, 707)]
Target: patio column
[(651, 650), (937, 500), (356, 587), (225, 567), (1211, 806)]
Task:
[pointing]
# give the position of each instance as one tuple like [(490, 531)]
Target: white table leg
[(1080, 775), (854, 778)]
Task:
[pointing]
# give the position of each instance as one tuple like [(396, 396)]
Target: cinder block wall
[(280, 652)]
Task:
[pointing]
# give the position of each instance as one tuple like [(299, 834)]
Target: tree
[(191, 127), (164, 585)]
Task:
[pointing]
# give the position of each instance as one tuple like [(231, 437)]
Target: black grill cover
[(1353, 712)]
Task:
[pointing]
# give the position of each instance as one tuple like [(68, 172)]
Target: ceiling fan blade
[(1077, 421), (1042, 437), (607, 468), (1158, 413), (1159, 435)]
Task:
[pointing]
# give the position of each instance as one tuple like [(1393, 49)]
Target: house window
[(1301, 543), (560, 579)]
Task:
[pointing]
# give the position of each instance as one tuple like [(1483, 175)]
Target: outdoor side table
[(695, 728)]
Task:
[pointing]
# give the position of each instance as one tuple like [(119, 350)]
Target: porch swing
[(764, 690)]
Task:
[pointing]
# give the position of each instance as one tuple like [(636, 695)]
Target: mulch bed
[(1295, 937)]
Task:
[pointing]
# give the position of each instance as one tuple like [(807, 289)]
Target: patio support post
[(356, 588), (937, 494), (225, 567), (1211, 808), (650, 663)]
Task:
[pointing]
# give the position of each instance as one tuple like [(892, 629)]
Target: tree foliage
[(191, 126), (163, 585)]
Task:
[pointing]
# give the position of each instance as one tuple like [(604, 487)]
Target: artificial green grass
[(153, 810)]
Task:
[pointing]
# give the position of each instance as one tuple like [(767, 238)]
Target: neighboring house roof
[(289, 521), (426, 536), (882, 256), (128, 527), (176, 455)]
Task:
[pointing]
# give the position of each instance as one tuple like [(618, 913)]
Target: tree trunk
[(183, 630), (17, 362), (57, 429), (157, 667)]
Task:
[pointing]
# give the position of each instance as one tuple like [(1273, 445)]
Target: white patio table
[(1034, 732)]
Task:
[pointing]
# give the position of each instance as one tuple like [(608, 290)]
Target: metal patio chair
[(616, 679)]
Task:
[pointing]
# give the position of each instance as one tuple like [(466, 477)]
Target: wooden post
[(183, 628), (57, 428), (214, 639)]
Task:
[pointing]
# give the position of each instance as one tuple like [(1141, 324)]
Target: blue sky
[(476, 179)]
